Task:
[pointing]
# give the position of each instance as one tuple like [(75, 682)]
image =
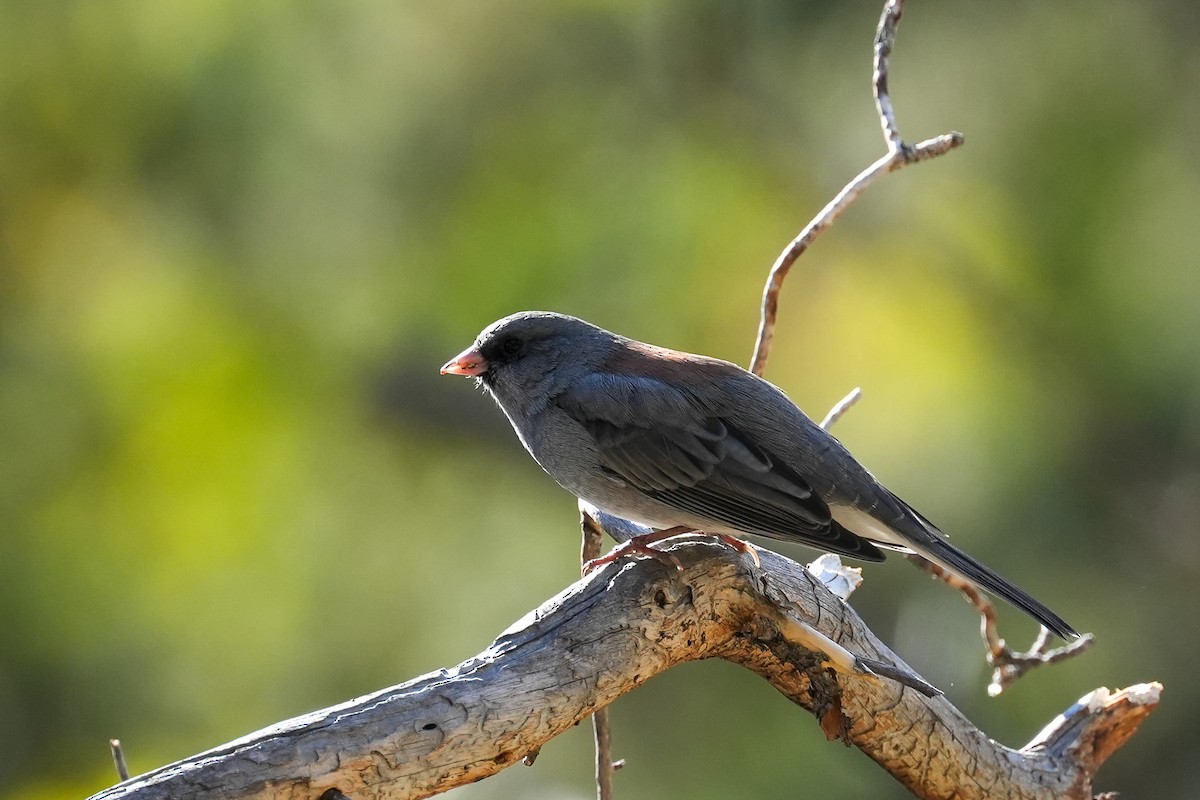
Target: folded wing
[(704, 466)]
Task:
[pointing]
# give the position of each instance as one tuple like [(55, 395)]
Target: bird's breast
[(561, 446)]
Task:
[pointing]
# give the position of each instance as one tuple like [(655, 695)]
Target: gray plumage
[(666, 439)]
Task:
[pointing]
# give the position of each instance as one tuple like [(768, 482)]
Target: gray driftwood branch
[(603, 637)]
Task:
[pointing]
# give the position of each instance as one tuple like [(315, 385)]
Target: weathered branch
[(607, 634)]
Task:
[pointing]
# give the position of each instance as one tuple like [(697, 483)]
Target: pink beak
[(468, 362)]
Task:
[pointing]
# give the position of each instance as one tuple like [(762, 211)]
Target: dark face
[(503, 349), (527, 358)]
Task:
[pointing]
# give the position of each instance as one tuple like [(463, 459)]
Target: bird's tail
[(946, 555)]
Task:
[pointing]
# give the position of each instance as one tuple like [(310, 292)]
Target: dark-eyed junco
[(672, 439)]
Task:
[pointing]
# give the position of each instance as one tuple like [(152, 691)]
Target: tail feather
[(947, 555)]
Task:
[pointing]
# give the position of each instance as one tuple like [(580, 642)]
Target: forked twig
[(1008, 665), (898, 155)]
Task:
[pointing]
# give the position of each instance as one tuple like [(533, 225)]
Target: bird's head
[(526, 359)]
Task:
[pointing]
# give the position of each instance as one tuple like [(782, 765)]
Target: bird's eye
[(511, 346)]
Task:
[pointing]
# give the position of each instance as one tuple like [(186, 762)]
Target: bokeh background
[(237, 240)]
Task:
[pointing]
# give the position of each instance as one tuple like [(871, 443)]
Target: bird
[(678, 441)]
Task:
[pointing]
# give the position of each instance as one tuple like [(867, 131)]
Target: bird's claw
[(740, 546), (641, 545), (635, 546)]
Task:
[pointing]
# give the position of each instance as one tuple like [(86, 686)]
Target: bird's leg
[(641, 545)]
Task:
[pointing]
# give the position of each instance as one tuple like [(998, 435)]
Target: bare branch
[(601, 731), (885, 39), (118, 757), (605, 766), (1008, 665), (843, 405), (607, 634), (1095, 727), (899, 155)]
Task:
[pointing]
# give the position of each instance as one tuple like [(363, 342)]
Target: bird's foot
[(641, 545), (741, 546)]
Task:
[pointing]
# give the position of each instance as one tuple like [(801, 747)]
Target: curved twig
[(899, 155)]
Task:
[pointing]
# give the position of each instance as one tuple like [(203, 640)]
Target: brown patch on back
[(662, 363)]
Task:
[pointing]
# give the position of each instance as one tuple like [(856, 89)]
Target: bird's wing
[(654, 441)]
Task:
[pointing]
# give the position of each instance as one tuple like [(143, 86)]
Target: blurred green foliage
[(238, 239)]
